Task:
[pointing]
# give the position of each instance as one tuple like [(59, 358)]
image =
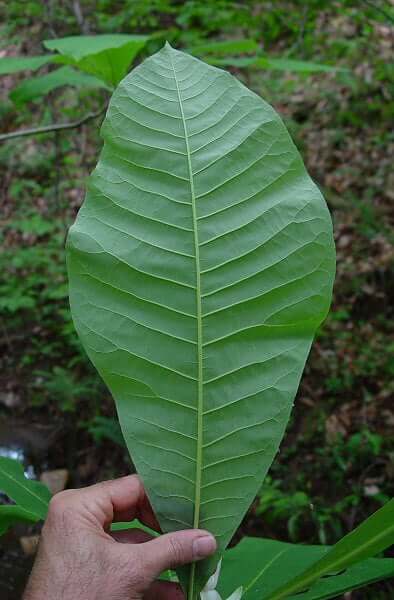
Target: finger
[(146, 514), (131, 502), (164, 590), (131, 536), (175, 549), (122, 499)]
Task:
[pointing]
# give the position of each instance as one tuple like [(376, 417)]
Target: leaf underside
[(200, 266)]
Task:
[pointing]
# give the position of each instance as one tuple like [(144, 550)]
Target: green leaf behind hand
[(31, 496)]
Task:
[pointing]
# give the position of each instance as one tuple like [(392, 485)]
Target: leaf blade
[(106, 56), (183, 338), (368, 539), (258, 564), (30, 89), (31, 496), (275, 64), (11, 514), (224, 47), (14, 64)]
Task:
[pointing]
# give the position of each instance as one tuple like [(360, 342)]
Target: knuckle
[(59, 504)]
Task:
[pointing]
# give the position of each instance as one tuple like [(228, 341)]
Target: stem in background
[(50, 128), (83, 24)]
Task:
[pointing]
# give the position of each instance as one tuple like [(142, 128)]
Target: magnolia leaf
[(259, 564), (200, 265), (368, 539), (31, 496), (105, 56), (14, 64), (10, 514), (30, 89)]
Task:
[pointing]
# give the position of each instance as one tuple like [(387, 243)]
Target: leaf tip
[(167, 46)]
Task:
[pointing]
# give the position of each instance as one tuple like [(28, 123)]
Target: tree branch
[(49, 128)]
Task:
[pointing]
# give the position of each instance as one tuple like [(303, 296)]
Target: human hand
[(79, 559)]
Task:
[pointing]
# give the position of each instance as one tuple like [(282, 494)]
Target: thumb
[(175, 549)]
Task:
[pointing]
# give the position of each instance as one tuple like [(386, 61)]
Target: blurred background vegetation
[(336, 463)]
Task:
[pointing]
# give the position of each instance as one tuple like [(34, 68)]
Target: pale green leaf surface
[(36, 87), (200, 265), (368, 539), (14, 64), (259, 564), (105, 56), (10, 514), (31, 496)]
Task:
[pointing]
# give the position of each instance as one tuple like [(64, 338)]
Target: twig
[(50, 19), (80, 17), (49, 128)]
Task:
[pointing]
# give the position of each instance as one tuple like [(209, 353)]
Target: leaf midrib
[(24, 488), (200, 394)]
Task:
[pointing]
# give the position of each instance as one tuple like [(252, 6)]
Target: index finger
[(121, 499), (129, 501)]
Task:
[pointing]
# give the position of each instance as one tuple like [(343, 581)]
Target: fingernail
[(204, 546)]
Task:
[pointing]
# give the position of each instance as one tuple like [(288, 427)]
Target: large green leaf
[(31, 496), (368, 539), (14, 64), (30, 89), (200, 265), (260, 564), (10, 514), (105, 56)]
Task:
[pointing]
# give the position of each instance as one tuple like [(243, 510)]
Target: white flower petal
[(237, 595), (210, 595), (213, 580)]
